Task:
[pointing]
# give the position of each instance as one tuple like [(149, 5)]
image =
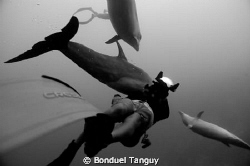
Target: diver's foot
[(89, 127), (97, 125), (93, 147), (98, 131)]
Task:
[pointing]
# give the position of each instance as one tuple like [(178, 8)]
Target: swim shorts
[(145, 111)]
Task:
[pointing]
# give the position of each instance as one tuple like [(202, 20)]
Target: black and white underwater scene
[(62, 61)]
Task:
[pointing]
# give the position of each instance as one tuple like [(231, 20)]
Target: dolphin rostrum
[(114, 71), (123, 16), (212, 131)]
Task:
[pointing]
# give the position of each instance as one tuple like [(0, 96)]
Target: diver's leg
[(104, 122), (120, 110), (97, 133), (128, 133), (67, 155), (98, 129)]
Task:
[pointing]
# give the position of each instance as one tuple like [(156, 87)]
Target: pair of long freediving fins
[(33, 112)]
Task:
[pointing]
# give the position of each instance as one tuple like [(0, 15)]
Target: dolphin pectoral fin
[(114, 39), (189, 126), (227, 144), (199, 114), (121, 54)]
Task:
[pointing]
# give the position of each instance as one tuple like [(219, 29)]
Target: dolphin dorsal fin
[(121, 54), (199, 114)]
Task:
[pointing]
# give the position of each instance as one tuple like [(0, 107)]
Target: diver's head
[(160, 88)]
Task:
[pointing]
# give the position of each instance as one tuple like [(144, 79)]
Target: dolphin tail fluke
[(55, 41)]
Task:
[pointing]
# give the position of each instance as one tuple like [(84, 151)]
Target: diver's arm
[(165, 109)]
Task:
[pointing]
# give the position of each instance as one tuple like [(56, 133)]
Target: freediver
[(145, 105), (133, 115), (103, 15)]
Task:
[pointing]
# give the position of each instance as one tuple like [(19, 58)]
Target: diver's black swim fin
[(55, 41)]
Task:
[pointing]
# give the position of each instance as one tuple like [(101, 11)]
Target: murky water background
[(203, 45)]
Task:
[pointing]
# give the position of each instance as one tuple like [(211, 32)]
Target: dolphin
[(123, 16), (114, 71), (212, 131)]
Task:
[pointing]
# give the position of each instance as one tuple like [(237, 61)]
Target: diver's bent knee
[(120, 107), (120, 110)]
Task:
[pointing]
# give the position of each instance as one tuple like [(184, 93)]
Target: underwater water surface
[(203, 45)]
